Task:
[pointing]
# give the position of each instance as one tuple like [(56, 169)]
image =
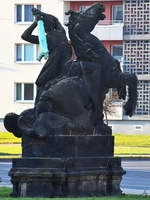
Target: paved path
[(136, 180)]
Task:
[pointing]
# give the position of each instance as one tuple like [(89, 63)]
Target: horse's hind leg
[(120, 80), (131, 81)]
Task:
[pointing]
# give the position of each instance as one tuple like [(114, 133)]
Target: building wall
[(105, 31), (137, 60), (136, 17), (109, 44), (136, 45), (137, 49), (108, 4), (12, 72), (109, 32), (130, 127), (135, 39)]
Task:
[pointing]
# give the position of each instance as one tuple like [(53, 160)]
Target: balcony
[(109, 30)]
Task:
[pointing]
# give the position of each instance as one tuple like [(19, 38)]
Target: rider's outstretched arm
[(27, 35)]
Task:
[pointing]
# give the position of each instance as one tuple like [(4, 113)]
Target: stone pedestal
[(69, 166), (68, 146)]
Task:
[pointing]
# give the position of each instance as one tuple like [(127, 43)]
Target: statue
[(64, 133), (70, 94)]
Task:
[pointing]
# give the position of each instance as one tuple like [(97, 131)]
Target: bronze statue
[(71, 93)]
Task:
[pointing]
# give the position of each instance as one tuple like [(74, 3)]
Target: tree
[(108, 103)]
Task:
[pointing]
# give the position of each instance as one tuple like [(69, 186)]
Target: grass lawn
[(10, 149), (5, 192), (132, 145), (132, 150), (132, 140), (131, 197), (125, 145), (9, 138)]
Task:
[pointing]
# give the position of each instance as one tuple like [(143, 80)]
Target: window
[(112, 96), (117, 52), (26, 52), (83, 8), (25, 91), (117, 14), (24, 13)]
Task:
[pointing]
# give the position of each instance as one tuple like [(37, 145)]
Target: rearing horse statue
[(89, 48), (72, 101)]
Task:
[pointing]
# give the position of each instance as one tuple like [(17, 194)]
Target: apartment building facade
[(19, 67), (125, 33), (137, 57)]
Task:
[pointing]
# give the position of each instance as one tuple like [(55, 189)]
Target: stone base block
[(66, 177), (68, 146)]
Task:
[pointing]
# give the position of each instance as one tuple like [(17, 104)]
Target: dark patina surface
[(67, 149)]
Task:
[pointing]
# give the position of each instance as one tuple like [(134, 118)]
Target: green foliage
[(125, 145), (132, 145), (132, 150), (120, 140), (10, 149), (100, 198), (5, 193)]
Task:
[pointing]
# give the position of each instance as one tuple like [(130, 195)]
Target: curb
[(122, 159), (135, 158), (6, 160)]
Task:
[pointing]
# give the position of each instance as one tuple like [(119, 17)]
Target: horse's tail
[(130, 106)]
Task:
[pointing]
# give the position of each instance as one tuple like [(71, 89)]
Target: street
[(4, 168), (135, 181), (137, 177)]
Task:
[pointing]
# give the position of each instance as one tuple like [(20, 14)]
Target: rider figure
[(57, 45), (87, 46)]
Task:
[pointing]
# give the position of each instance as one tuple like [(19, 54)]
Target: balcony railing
[(104, 22), (110, 22)]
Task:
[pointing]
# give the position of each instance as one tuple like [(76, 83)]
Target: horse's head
[(96, 11), (73, 18), (86, 20)]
